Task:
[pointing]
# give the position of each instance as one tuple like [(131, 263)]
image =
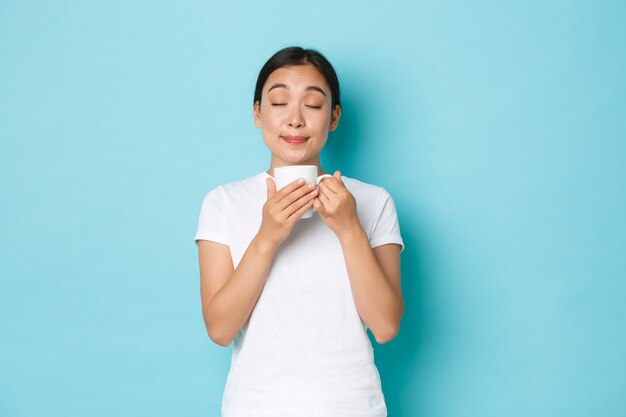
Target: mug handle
[(321, 177)]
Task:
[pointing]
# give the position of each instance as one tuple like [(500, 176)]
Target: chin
[(297, 159)]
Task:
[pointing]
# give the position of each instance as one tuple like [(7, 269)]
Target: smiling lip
[(294, 139)]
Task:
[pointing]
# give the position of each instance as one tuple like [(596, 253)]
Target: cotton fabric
[(304, 351)]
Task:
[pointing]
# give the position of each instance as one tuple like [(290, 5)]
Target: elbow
[(386, 335), (218, 337), (387, 331), (216, 333), (222, 341)]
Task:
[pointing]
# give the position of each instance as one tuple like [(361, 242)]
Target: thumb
[(271, 187), (337, 175)]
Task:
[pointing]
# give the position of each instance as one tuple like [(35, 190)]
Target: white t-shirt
[(304, 351)]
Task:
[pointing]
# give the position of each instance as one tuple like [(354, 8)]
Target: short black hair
[(296, 55)]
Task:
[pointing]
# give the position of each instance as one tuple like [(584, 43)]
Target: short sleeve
[(212, 219), (386, 228)]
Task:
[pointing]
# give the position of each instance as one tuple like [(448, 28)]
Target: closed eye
[(314, 107), (279, 104)]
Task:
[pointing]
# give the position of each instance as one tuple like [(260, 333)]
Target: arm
[(374, 273), (229, 294), (375, 281)]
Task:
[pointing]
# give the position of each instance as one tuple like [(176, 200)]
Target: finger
[(271, 187), (318, 206), (298, 213), (294, 185), (326, 189), (303, 200), (324, 177), (327, 192), (337, 175), (324, 199), (334, 185), (295, 195)]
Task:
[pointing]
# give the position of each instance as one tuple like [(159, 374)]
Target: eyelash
[(284, 104)]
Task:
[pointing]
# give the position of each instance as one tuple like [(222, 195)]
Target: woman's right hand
[(283, 208)]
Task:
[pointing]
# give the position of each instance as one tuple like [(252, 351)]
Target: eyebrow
[(285, 86)]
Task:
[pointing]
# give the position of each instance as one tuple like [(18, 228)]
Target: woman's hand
[(336, 205), (283, 208)]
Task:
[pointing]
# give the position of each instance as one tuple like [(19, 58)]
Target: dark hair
[(295, 55)]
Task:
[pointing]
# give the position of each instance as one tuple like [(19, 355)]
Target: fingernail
[(311, 186), (301, 181), (314, 192)]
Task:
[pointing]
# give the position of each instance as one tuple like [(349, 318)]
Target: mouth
[(294, 140)]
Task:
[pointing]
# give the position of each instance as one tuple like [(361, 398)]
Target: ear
[(257, 114), (334, 118)]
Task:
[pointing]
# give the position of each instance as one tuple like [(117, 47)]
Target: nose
[(295, 118)]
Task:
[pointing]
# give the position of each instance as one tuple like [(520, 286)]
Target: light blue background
[(498, 127)]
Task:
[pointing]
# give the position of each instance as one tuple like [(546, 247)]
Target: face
[(295, 115)]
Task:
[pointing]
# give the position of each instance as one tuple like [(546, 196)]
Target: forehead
[(297, 77)]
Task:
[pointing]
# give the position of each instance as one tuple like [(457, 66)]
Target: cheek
[(324, 120), (270, 119)]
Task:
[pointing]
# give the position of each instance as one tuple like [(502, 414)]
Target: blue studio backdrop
[(499, 128)]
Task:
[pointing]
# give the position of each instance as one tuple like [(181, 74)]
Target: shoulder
[(377, 212), (235, 189), (372, 200), (249, 182), (363, 191)]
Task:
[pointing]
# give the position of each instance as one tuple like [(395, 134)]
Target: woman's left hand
[(336, 205)]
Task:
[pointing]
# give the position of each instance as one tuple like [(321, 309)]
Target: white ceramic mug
[(287, 174)]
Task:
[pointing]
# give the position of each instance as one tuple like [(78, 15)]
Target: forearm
[(378, 303), (231, 306)]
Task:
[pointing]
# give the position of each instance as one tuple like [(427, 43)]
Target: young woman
[(297, 295)]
